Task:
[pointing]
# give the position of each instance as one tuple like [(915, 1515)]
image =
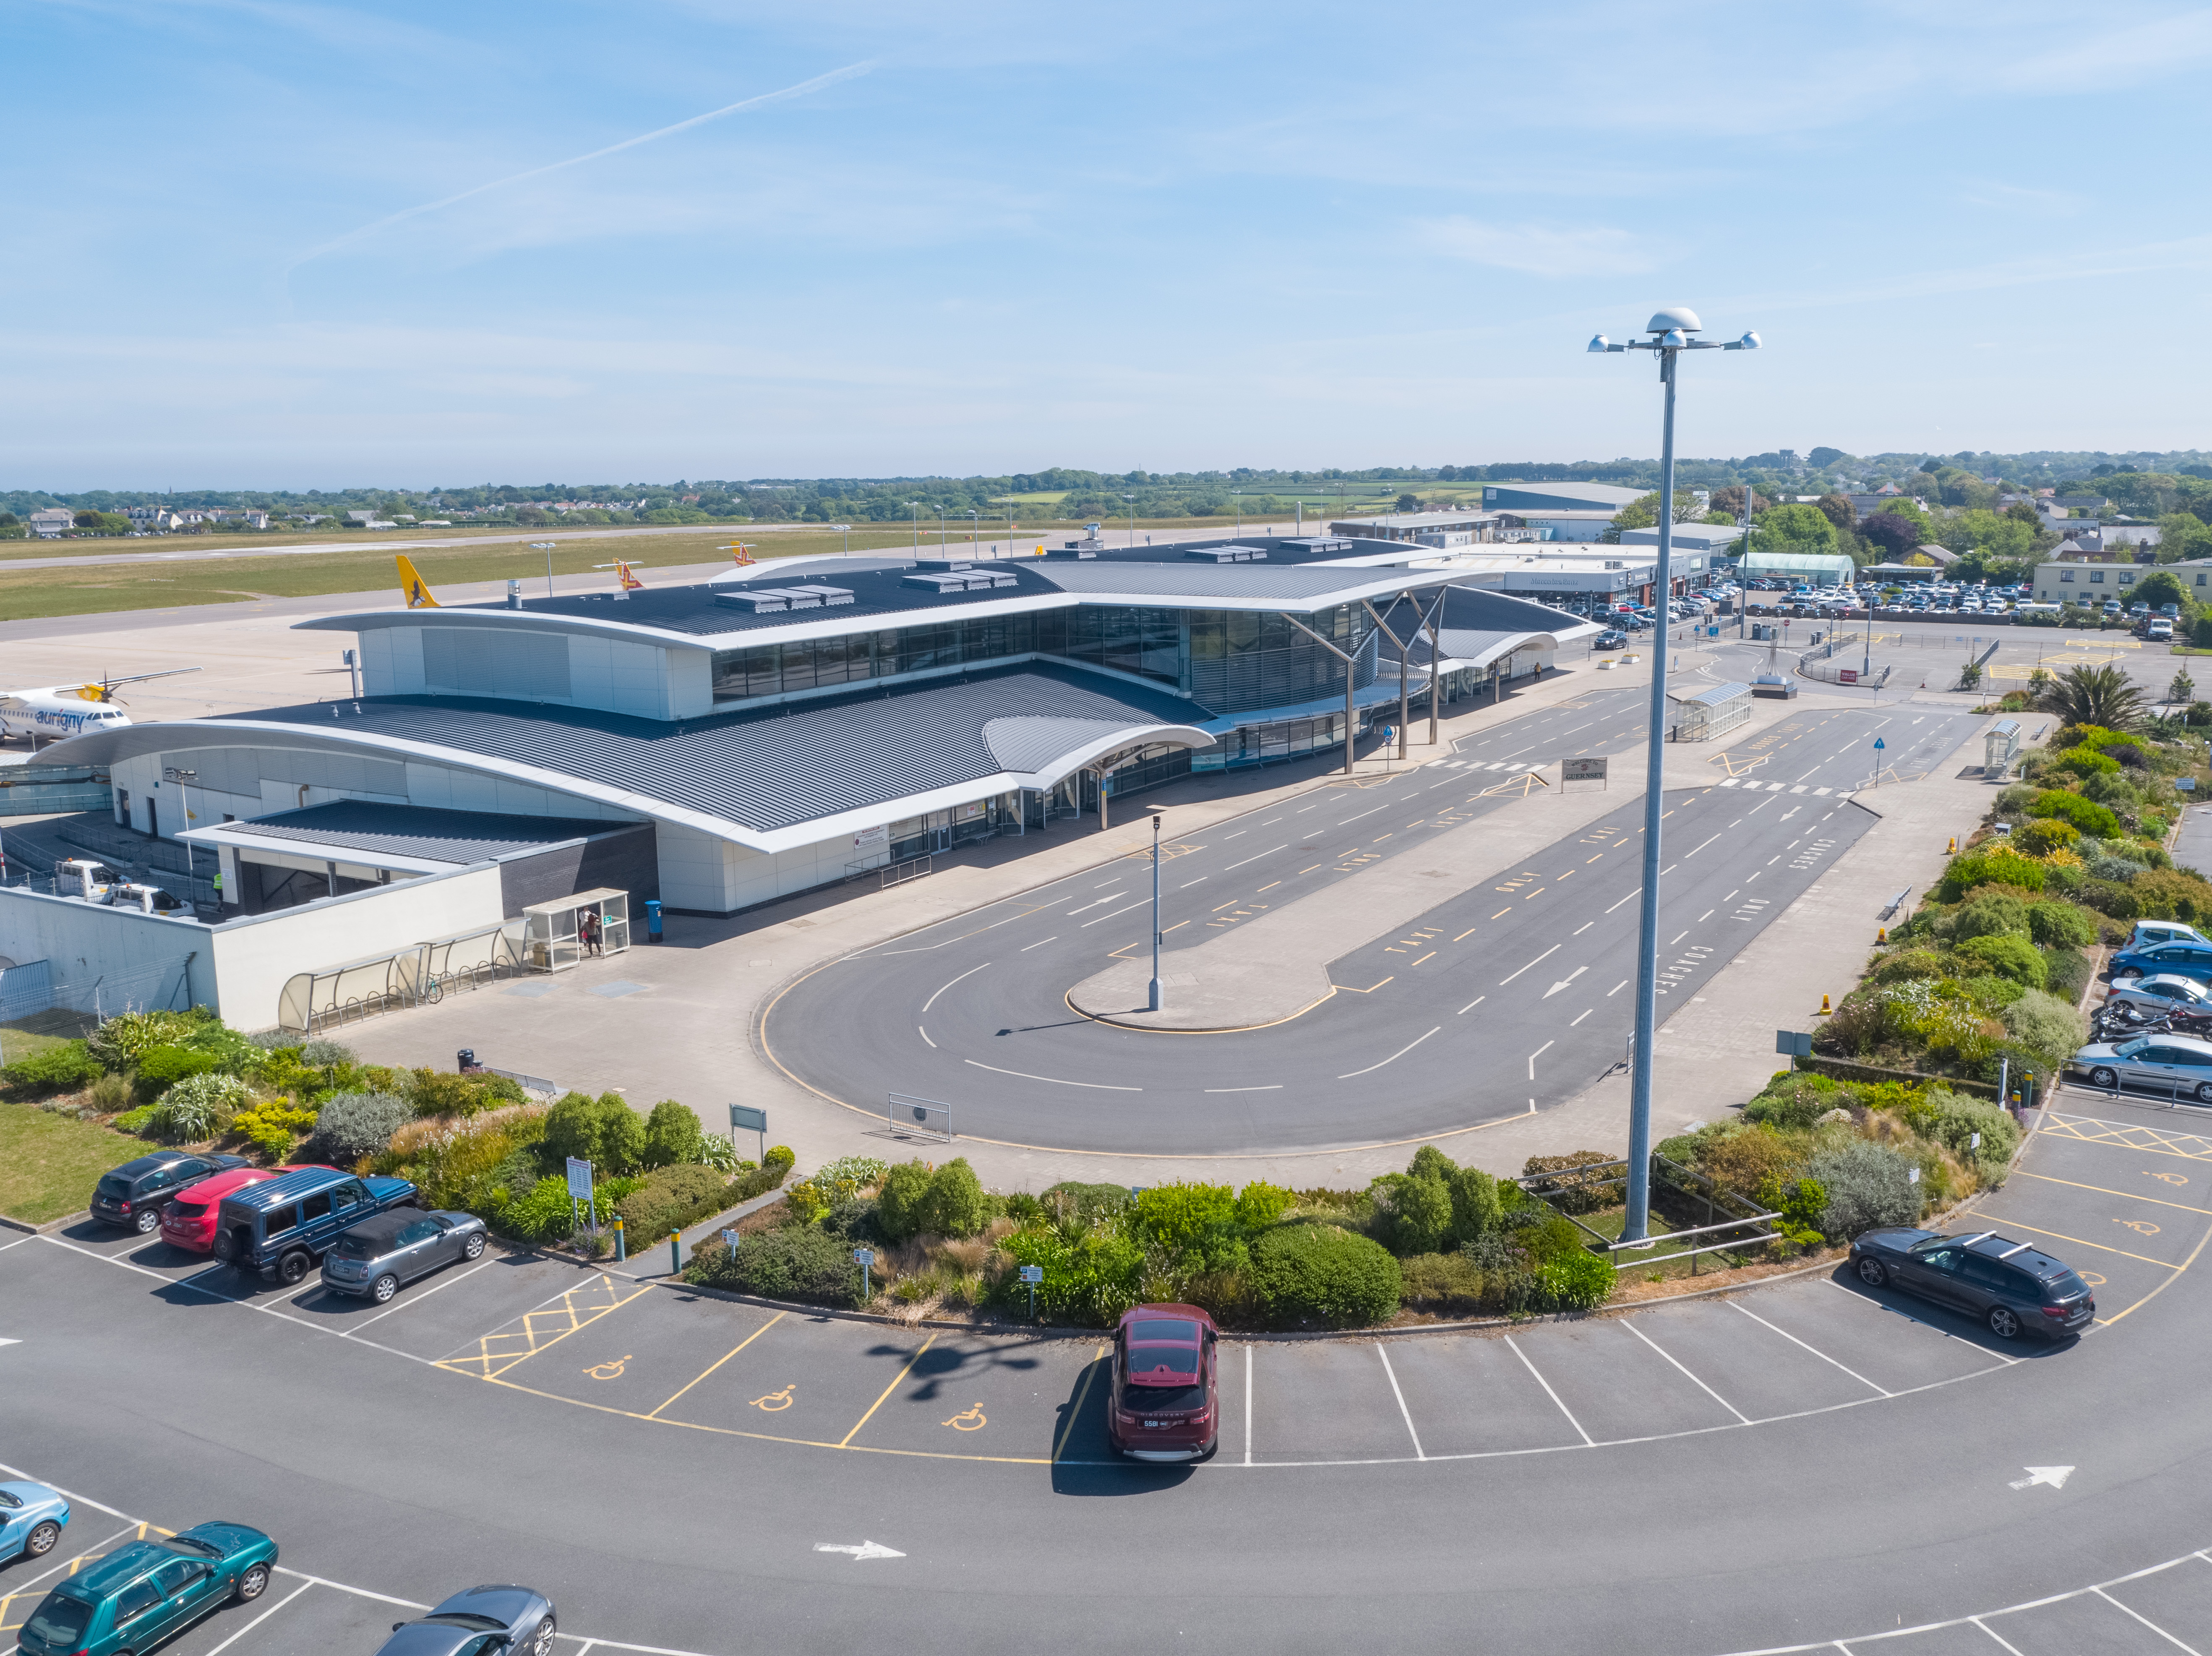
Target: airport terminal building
[(719, 746)]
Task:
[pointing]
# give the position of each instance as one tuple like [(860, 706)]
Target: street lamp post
[(1157, 998), (1239, 495), (1670, 332), (1132, 500), (546, 547), (914, 508)]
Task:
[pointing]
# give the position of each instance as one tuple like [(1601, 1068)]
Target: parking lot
[(2116, 1190)]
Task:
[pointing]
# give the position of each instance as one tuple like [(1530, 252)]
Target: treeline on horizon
[(2140, 481)]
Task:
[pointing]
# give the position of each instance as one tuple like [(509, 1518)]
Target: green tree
[(2183, 688), (955, 1204), (1644, 512), (622, 1134), (2183, 535), (1838, 510), (2097, 696), (900, 1200), (673, 1138), (1802, 529), (2162, 586), (1409, 503)]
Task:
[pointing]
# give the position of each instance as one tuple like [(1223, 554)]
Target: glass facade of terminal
[(1228, 662)]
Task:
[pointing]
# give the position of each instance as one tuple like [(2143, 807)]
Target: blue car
[(31, 1519), (2179, 959)]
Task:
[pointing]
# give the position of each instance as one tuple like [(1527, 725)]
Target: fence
[(918, 1118), (1671, 1185), (28, 991)]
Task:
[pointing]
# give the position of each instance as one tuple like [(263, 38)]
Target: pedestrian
[(587, 931)]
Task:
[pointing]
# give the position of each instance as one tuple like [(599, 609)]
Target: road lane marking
[(1471, 1006), (1616, 989), (924, 1033), (723, 1358), (1404, 1413), (1538, 1053), (2101, 1247), (1247, 1405), (1572, 1024), (259, 1619), (1276, 1088), (1394, 1057), (1510, 976), (1108, 915), (1039, 944), (2126, 1195), (1094, 903), (1256, 856), (1023, 1075), (969, 973)]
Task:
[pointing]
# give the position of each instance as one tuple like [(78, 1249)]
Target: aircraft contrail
[(785, 94)]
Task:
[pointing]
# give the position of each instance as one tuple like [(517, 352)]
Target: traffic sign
[(1880, 744), (579, 1180)]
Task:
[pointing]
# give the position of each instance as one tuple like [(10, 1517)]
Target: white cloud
[(1537, 248), (2098, 61)]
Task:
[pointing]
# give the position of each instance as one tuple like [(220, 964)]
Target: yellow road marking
[(725, 1358), (2153, 1139), (1430, 955), (888, 1390), (2161, 1289), (501, 1351), (2101, 1247), (1369, 990), (1469, 932), (1075, 1414), (2127, 1195)]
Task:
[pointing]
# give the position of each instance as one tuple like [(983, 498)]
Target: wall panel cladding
[(625, 860), (496, 661)]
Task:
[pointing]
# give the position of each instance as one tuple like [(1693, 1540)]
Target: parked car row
[(367, 1233), (146, 1593)]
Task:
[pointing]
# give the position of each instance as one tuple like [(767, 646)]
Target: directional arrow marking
[(19, 1342), (2055, 1477), (870, 1549), (1564, 981)]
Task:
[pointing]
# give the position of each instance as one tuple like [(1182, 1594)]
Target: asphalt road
[(1808, 1464), (1500, 1000)]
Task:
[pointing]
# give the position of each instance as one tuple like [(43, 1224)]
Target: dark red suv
[(1165, 1401)]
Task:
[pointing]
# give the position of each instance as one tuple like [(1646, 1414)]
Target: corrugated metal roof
[(1238, 586), (452, 836), (766, 770)]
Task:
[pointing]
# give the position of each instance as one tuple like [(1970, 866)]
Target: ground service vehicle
[(1164, 1399), (377, 1255), (2006, 1285), (146, 1591), (490, 1621), (134, 1194), (281, 1227), (31, 1519)]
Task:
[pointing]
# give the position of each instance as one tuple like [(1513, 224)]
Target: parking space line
[(259, 1619), (1587, 1438), (723, 1358), (1919, 1322), (2129, 1196), (417, 1299), (2117, 1605), (1404, 1413), (888, 1390), (1082, 1391), (2100, 1246), (1977, 1621), (1816, 1351), (1629, 1323), (1248, 1406)]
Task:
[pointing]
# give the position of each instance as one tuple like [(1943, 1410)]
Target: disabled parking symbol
[(776, 1402), (2141, 1227), (969, 1420), (611, 1369)]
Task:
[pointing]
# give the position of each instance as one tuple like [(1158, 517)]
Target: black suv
[(2007, 1285), (281, 1226), (134, 1194)]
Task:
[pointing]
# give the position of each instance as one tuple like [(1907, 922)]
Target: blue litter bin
[(653, 920)]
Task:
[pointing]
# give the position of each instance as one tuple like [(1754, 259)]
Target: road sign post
[(744, 1118), (864, 1257), (580, 1190), (1879, 747), (1031, 1276), (1582, 770)]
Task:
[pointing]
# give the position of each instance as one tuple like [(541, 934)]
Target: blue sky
[(283, 243)]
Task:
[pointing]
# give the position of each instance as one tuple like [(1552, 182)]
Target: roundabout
[(1807, 1463)]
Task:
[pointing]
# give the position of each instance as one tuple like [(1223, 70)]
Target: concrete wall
[(86, 942), (254, 956)]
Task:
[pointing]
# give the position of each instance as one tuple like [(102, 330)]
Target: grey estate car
[(387, 1249), (493, 1621)]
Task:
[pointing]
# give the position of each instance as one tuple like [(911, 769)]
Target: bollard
[(676, 1256), (622, 1242)]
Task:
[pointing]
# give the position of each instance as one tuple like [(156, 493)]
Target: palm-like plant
[(2097, 696)]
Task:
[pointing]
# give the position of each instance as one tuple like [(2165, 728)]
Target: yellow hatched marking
[(2155, 1141), (579, 1307), (1736, 766)]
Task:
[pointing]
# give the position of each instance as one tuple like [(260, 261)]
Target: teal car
[(143, 1593)]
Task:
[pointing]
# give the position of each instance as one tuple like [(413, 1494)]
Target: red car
[(188, 1222), (1165, 1400)]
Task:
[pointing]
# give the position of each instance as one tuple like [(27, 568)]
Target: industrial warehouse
[(520, 782)]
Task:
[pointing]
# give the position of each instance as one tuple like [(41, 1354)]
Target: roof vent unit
[(1227, 554), (1073, 550), (773, 600), (959, 580)]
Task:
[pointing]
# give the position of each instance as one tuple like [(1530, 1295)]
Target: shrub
[(1444, 1282), (200, 1106), (666, 1199), (778, 1155), (436, 1092), (2013, 957), (2087, 814), (2066, 975), (120, 1042), (1195, 1225), (795, 1263), (603, 1130), (138, 1121), (1994, 914), (955, 1204), (2045, 835), (1957, 1120), (672, 1136), (1413, 1213), (61, 1069), (545, 1213), (1092, 1277), (1476, 1206), (1081, 1205), (1795, 1102), (1742, 1162), (717, 1152), (1307, 1274), (855, 1220), (1902, 964), (1578, 1197), (355, 1125), (2057, 925), (1868, 1185), (320, 1054), (1996, 865), (2085, 762), (899, 1200), (162, 1067), (270, 1128), (1509, 1286), (1581, 1281), (109, 1093), (2048, 1026), (1260, 1204)]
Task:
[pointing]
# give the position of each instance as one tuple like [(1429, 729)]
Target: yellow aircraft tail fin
[(412, 583)]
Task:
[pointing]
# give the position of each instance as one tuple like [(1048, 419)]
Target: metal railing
[(1669, 1178)]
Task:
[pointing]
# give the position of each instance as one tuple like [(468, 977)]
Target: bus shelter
[(1704, 714), (558, 935)]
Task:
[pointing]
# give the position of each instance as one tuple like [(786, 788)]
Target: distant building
[(1437, 528), (1709, 538), (49, 522), (1866, 504), (1555, 525), (1557, 497)]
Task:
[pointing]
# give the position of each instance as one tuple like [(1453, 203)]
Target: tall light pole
[(1157, 998), (914, 508), (546, 547), (1132, 500), (1670, 331), (1239, 495), (974, 519)]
